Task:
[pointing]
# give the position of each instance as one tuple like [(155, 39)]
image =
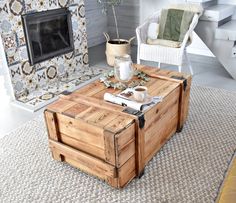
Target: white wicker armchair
[(164, 54)]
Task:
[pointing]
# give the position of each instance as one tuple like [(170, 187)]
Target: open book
[(124, 99)]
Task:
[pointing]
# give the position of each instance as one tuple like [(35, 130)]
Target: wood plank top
[(87, 103)]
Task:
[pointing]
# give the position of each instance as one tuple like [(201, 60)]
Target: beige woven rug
[(189, 168)]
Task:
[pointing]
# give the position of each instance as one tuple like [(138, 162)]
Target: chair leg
[(159, 64), (180, 68), (188, 63)]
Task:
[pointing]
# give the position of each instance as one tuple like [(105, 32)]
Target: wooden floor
[(207, 72)]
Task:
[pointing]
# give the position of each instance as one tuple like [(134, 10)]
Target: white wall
[(96, 22)]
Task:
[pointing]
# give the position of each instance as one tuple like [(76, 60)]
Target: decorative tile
[(20, 37), (28, 81), (27, 69), (12, 56), (15, 72), (4, 8), (81, 11), (29, 5), (16, 23), (31, 83), (51, 72), (23, 54), (69, 56), (74, 10), (71, 66), (85, 59), (78, 39), (19, 86), (53, 3), (35, 102), (42, 79), (9, 41), (47, 96), (63, 3), (16, 7), (6, 26), (41, 5)]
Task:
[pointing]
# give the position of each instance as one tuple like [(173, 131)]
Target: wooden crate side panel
[(162, 121), (52, 125), (83, 161), (125, 153), (160, 138), (110, 151), (83, 146), (127, 172), (81, 131), (125, 145), (154, 113)]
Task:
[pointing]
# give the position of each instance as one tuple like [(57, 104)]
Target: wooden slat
[(163, 135), (119, 124), (162, 121), (75, 110), (127, 172), (152, 113), (90, 89), (80, 130), (125, 136), (83, 161), (52, 125), (91, 101), (60, 105), (110, 152), (83, 146), (125, 153)]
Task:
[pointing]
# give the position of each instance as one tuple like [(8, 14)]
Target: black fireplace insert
[(48, 34)]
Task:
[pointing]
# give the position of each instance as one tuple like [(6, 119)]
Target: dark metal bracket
[(137, 113), (185, 81)]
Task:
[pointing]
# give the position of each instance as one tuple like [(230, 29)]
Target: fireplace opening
[(48, 34)]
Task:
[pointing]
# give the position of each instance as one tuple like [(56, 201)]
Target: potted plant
[(114, 47)]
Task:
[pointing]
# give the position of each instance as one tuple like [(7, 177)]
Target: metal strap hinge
[(137, 113), (185, 81)]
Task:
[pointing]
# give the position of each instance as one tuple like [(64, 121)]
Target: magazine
[(125, 98)]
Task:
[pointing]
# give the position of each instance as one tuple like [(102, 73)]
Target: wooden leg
[(188, 63), (141, 174), (179, 130), (57, 156)]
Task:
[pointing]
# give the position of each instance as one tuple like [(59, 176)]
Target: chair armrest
[(190, 31)]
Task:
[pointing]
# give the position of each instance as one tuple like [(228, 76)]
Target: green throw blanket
[(174, 24)]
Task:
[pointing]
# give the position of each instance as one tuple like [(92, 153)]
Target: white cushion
[(153, 29)]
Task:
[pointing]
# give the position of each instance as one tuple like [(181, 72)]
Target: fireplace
[(48, 34)]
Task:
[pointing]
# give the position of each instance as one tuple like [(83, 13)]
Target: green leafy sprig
[(106, 79)]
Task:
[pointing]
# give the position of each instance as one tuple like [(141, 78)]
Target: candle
[(124, 70)]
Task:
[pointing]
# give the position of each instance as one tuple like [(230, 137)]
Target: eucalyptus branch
[(116, 24)]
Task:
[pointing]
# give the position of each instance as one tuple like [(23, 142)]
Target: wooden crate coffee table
[(103, 140)]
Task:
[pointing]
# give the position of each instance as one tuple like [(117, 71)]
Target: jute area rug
[(189, 168)]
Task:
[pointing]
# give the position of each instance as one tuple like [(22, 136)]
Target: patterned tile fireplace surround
[(35, 86)]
